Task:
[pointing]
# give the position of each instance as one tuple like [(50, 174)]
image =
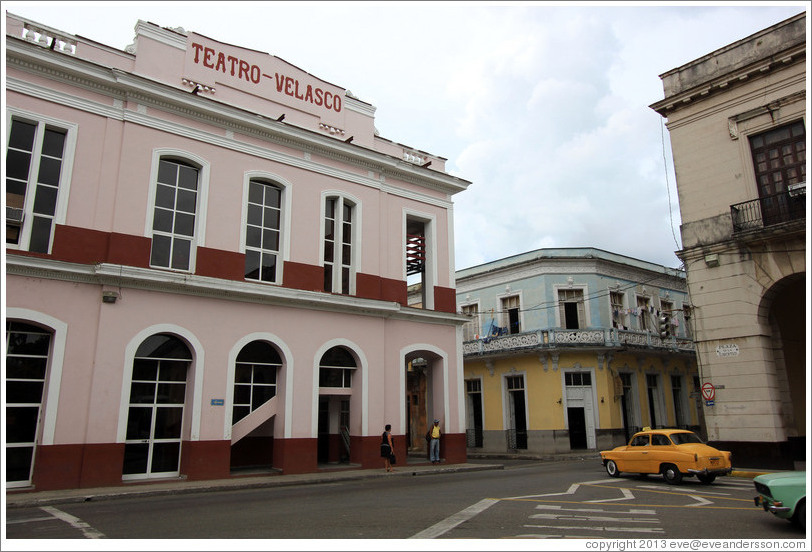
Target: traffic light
[(664, 326)]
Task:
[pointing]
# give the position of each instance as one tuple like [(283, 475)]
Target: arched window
[(263, 231), (174, 215), (155, 416), (254, 378), (336, 368), (27, 352)]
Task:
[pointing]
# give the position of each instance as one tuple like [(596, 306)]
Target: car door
[(661, 451), (636, 456)]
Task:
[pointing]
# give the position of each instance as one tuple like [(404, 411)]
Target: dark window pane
[(181, 254), (239, 412), (30, 341), (163, 346), (242, 372), (168, 422), (171, 393), (186, 201), (174, 370), (329, 227), (242, 394), (45, 200), (261, 395), (167, 172), (25, 368), (22, 135), (18, 164), (265, 374), (259, 351), (184, 224), (328, 251), (49, 170), (160, 251), (273, 196), (24, 392), (255, 192), (252, 264), (165, 196), (255, 215), (271, 218), (338, 356), (268, 268), (21, 424), (162, 221), (144, 369), (187, 178), (253, 236), (18, 463), (53, 143), (142, 393), (40, 235), (139, 422), (135, 458)]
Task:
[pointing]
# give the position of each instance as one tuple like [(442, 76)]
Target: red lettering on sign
[(208, 53)]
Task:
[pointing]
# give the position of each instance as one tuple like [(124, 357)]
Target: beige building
[(737, 122)]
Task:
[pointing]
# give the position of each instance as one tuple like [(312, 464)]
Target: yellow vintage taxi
[(674, 453)]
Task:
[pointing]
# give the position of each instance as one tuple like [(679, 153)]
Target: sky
[(542, 106)]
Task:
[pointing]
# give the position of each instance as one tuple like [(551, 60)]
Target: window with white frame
[(336, 368), (470, 330), (263, 231), (571, 308), (174, 215), (254, 378), (35, 173), (619, 315), (510, 314), (339, 214)]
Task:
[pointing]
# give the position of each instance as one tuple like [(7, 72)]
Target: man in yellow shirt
[(434, 443)]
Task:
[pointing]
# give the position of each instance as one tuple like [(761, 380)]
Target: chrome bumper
[(720, 471), (769, 507)]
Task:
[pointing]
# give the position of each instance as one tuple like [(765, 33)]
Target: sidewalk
[(413, 468)]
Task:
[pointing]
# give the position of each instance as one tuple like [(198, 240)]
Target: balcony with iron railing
[(769, 211), (551, 339)]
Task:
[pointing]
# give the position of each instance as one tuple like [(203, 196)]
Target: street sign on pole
[(708, 391)]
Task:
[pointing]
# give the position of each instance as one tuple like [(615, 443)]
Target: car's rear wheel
[(671, 474), (707, 479), (611, 468), (799, 517)]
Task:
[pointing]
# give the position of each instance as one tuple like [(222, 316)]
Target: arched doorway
[(784, 308), (424, 398), (337, 371), (152, 444)]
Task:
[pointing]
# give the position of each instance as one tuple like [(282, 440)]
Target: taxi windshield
[(685, 438)]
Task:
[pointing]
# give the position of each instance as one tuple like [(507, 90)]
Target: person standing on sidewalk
[(387, 447), (434, 442)]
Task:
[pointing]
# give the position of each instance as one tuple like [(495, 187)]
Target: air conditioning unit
[(14, 215), (797, 189)]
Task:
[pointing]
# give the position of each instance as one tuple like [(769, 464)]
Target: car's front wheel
[(611, 468), (671, 474), (707, 479), (799, 518)]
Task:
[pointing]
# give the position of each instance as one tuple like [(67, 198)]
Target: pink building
[(207, 257)]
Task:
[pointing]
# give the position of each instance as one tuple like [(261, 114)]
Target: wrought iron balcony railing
[(770, 210), (558, 339)]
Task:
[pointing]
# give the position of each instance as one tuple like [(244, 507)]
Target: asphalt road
[(552, 500)]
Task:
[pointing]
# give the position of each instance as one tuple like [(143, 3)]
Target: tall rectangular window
[(262, 232), (471, 329), (618, 313), (643, 314), (34, 169), (338, 245), (173, 224), (571, 308), (779, 160), (510, 314)]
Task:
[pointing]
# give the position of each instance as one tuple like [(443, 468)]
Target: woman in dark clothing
[(387, 447)]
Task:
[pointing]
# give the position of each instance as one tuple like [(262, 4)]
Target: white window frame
[(430, 272), (66, 171), (355, 240), (284, 222), (204, 170), (582, 324), (475, 323)]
